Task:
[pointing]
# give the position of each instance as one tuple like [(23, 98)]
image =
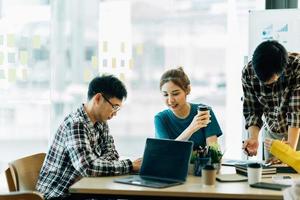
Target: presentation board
[(282, 25)]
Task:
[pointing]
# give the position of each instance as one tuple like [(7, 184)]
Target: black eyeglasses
[(115, 108)]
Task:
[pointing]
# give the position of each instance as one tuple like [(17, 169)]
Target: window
[(49, 50)]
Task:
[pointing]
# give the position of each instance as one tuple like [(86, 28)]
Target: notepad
[(231, 178)]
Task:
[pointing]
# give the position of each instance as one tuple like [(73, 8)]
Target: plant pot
[(217, 166), (191, 169)]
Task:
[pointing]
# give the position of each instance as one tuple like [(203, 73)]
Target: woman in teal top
[(183, 121)]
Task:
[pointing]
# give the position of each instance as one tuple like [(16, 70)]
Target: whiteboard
[(282, 25)]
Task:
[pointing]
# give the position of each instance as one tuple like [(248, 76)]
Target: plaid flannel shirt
[(79, 149), (279, 103)]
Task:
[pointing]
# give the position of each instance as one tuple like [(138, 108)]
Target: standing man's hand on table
[(250, 147), (136, 165)]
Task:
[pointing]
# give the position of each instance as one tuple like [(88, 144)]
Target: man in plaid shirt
[(82, 146), (271, 86)]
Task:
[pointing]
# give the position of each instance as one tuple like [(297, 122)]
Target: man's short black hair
[(269, 58), (108, 85)]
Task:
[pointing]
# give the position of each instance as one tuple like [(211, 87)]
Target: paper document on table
[(233, 162), (231, 178)]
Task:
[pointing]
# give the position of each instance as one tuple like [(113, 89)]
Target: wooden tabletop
[(193, 188)]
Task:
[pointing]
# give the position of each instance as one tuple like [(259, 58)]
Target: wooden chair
[(24, 172), (10, 181), (21, 196)]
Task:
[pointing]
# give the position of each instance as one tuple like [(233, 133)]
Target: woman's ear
[(188, 90)]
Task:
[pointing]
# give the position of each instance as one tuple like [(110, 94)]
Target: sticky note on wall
[(36, 42), (122, 63), (86, 75), (1, 58), (1, 40), (11, 75), (94, 61), (2, 74), (123, 47), (10, 38), (113, 62), (139, 49), (24, 74), (122, 76), (11, 57), (104, 46), (104, 62), (130, 63), (23, 57)]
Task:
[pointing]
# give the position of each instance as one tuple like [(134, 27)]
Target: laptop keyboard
[(149, 181)]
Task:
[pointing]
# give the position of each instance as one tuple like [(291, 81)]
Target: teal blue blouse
[(168, 126)]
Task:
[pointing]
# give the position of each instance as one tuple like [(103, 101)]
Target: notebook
[(284, 168), (267, 171), (165, 163)]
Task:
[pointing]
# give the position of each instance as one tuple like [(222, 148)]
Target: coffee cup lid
[(209, 167), (254, 165)]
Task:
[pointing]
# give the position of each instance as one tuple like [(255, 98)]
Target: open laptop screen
[(165, 158)]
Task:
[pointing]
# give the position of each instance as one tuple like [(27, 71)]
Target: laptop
[(165, 163)]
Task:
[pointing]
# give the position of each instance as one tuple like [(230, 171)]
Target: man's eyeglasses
[(115, 108)]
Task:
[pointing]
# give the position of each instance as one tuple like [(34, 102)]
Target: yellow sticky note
[(1, 40), (24, 74), (104, 46), (36, 42), (12, 75), (94, 61), (1, 58), (123, 47), (122, 77), (139, 49), (10, 40), (2, 74), (130, 63), (86, 75), (23, 57), (113, 62)]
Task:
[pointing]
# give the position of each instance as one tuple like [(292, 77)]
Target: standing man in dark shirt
[(271, 86), (82, 146)]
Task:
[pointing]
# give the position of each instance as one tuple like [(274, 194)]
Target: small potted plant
[(199, 159), (215, 153), (202, 156), (192, 163)]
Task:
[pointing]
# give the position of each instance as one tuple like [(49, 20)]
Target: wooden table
[(192, 188)]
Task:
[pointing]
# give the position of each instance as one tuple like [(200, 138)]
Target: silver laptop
[(165, 163)]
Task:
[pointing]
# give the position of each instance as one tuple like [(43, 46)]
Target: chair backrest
[(21, 196), (25, 171), (10, 181)]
